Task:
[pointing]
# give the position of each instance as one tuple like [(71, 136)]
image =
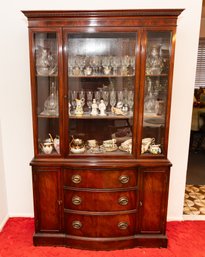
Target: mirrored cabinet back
[(101, 86)]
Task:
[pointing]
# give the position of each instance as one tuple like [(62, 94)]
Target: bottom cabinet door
[(153, 200), (47, 199)]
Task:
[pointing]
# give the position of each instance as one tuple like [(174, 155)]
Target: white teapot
[(47, 147)]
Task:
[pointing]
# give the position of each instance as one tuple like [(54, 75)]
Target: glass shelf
[(102, 76)]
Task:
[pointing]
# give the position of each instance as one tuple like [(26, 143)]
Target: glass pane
[(46, 61), (101, 71), (155, 92)]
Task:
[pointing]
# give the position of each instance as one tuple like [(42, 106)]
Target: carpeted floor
[(186, 239)]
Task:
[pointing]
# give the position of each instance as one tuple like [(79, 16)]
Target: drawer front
[(100, 226), (100, 178), (100, 201)]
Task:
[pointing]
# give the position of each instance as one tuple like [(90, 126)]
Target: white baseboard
[(3, 222), (175, 218), (193, 217), (21, 215)]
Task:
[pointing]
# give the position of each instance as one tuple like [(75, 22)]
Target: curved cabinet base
[(89, 243)]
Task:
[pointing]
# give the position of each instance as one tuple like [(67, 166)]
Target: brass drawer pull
[(76, 179), (76, 224), (123, 200), (122, 225), (76, 200), (124, 179)]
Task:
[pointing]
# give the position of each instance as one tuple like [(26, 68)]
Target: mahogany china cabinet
[(101, 94)]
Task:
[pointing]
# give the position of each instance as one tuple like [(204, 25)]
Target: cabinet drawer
[(100, 178), (100, 226), (100, 201)]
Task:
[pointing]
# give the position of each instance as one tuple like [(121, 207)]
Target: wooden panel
[(153, 198), (100, 226), (100, 178), (47, 200), (100, 201)]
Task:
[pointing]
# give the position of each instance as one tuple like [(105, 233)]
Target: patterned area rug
[(194, 202)]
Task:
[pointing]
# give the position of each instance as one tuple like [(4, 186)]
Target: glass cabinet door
[(101, 79), (158, 52), (47, 103)]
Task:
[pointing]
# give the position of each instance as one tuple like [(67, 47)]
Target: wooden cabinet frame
[(62, 181)]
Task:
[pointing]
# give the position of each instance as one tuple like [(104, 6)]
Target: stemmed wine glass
[(130, 100), (97, 97), (105, 97), (81, 60), (115, 63), (125, 63), (120, 96), (74, 95), (71, 64), (82, 97), (95, 64), (106, 65), (89, 99), (113, 98)]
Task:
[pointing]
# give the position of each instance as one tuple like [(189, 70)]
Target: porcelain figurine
[(79, 107), (94, 111), (102, 108)]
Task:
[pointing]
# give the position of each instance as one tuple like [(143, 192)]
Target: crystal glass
[(130, 100), (82, 97), (105, 96), (74, 95), (113, 98), (154, 62), (97, 97), (80, 61), (46, 62), (51, 103), (125, 60), (106, 65), (95, 63), (115, 63), (71, 64), (89, 99)]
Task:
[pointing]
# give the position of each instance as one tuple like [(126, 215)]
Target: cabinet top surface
[(100, 13)]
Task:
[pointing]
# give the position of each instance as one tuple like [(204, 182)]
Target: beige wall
[(15, 105), (3, 198)]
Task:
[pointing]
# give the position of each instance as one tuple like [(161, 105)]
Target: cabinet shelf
[(48, 116), (47, 76), (102, 76), (156, 75), (107, 117)]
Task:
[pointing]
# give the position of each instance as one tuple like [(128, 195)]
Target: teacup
[(92, 143), (109, 143), (155, 149), (47, 148)]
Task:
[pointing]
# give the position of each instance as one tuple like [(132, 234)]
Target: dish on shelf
[(126, 146), (109, 149), (77, 150)]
